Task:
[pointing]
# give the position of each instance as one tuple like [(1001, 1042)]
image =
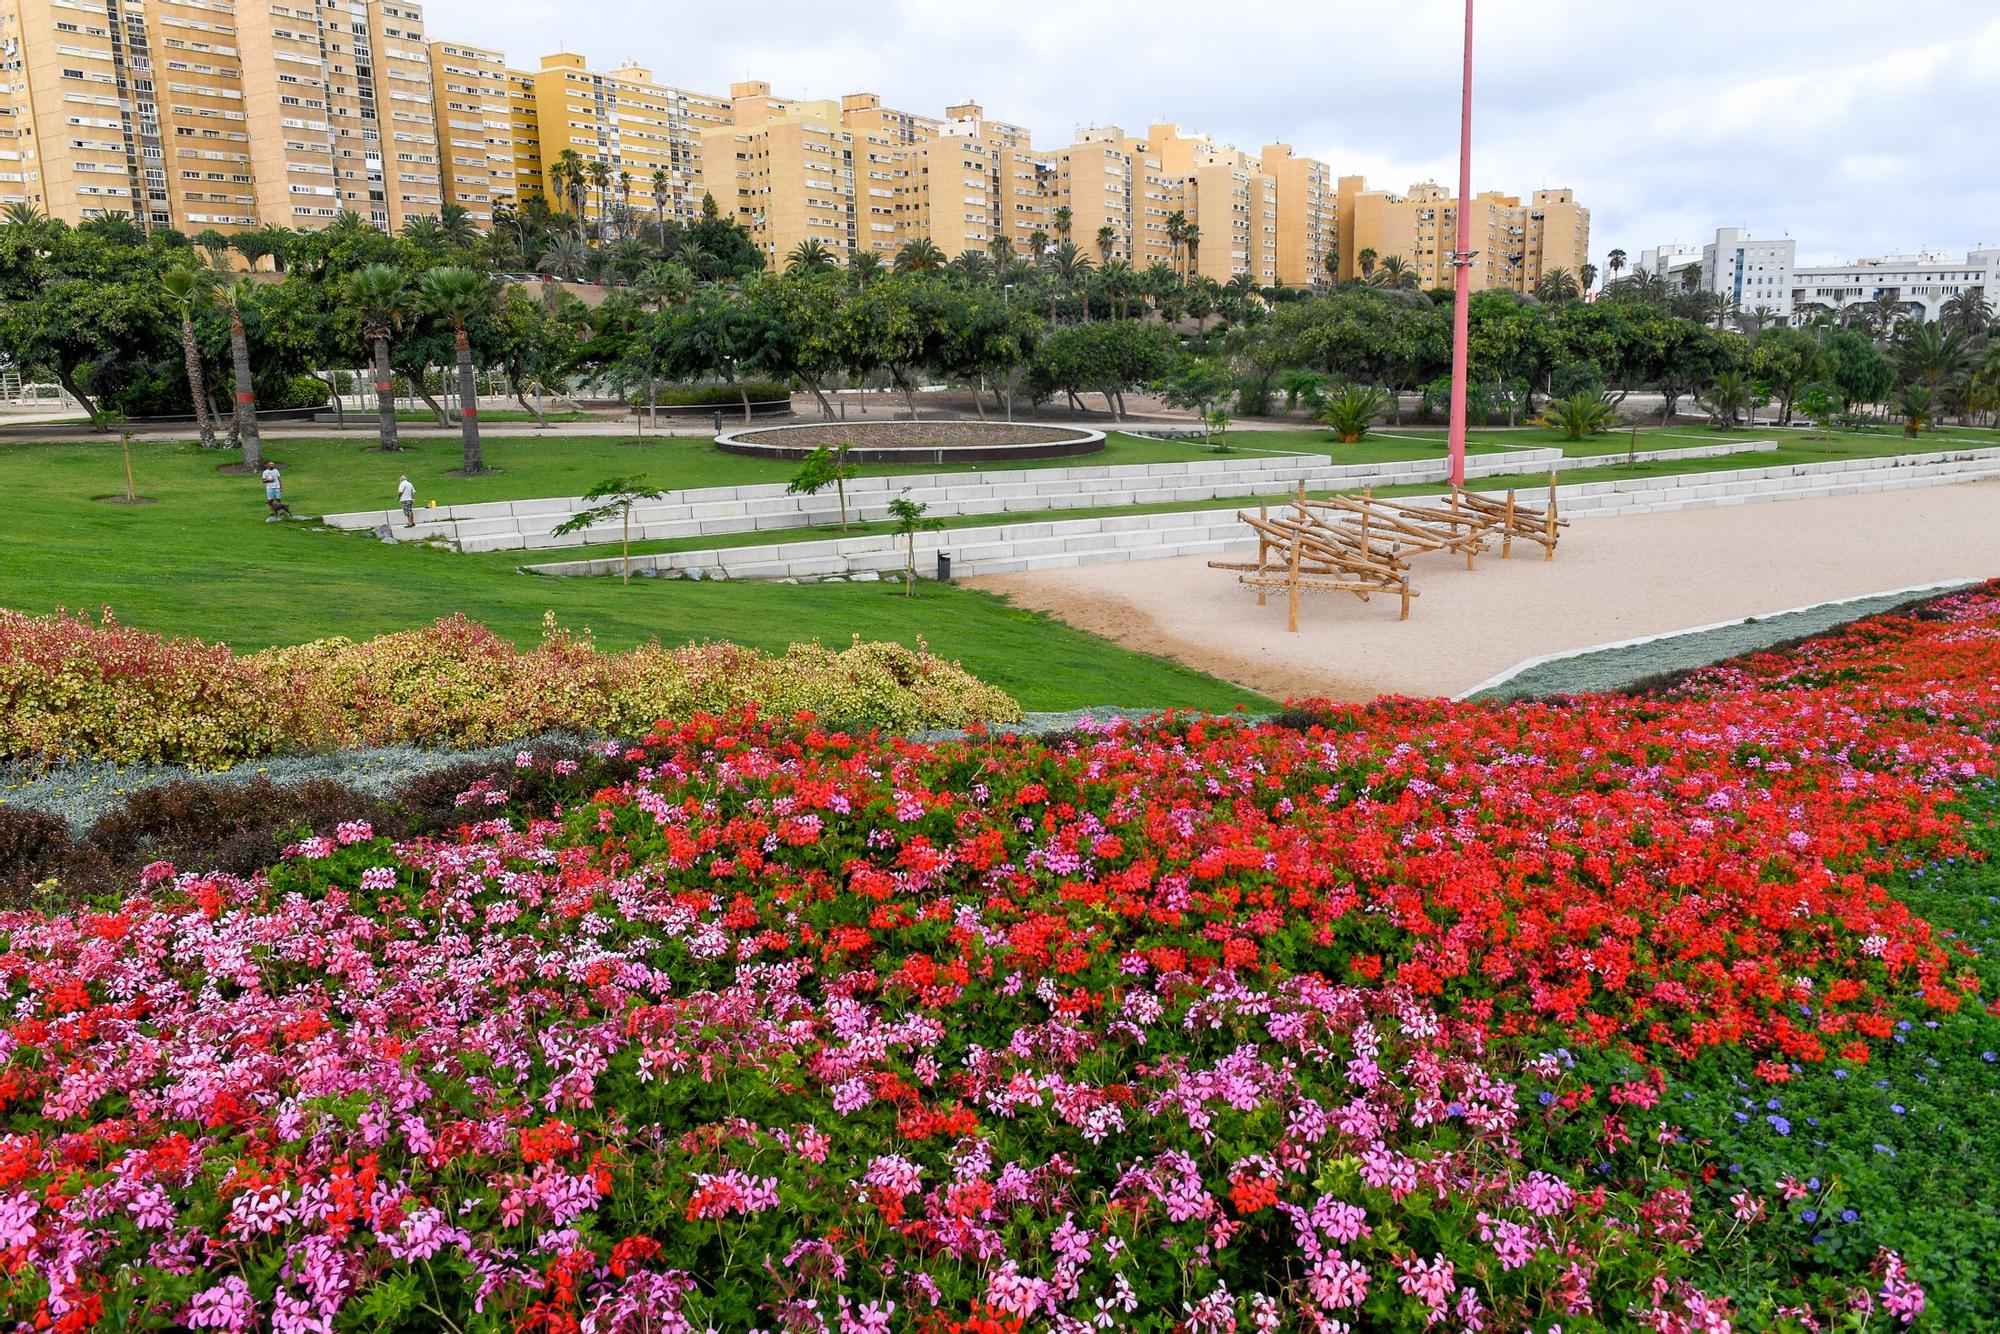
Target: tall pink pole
[(1461, 305)]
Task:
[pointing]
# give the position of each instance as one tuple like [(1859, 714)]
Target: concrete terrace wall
[(709, 512), (1055, 543)]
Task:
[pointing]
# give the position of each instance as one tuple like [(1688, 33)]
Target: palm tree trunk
[(385, 394), (468, 409), (246, 393), (197, 390)]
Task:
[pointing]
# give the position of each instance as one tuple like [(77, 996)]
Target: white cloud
[(1855, 128)]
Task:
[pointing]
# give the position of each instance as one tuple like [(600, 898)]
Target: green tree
[(1731, 394), (822, 468), (810, 257), (909, 517), (1198, 384), (1861, 371), (1786, 360), (1916, 404), (612, 499), (457, 296), (241, 298)]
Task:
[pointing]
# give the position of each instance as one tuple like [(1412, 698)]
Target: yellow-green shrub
[(73, 689)]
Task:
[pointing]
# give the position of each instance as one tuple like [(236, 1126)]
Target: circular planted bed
[(916, 442)]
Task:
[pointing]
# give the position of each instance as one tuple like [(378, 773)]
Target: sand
[(1613, 579)]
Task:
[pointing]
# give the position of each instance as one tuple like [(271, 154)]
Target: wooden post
[(1507, 533), (1293, 581), (131, 495), (1263, 549), (1471, 552), (1550, 530)]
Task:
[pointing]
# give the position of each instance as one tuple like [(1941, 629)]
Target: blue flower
[(1883, 1148), (1848, 1215), (1773, 1105), (1780, 1124), (1545, 1097), (1809, 1215), (1897, 1108), (1989, 1057)]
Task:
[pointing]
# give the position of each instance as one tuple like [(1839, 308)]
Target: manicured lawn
[(201, 560)]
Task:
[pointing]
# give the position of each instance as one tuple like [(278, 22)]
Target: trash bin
[(944, 567), (718, 421)]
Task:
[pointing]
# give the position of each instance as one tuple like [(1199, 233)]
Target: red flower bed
[(1182, 1027)]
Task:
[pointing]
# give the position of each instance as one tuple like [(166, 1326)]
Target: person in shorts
[(274, 491), (406, 496)]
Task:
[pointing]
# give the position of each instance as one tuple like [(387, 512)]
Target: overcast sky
[(1858, 127)]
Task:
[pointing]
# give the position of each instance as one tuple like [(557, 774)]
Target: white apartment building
[(1767, 274), (1922, 282), (1668, 260), (1754, 273)]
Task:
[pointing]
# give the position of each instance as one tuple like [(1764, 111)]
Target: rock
[(647, 572), (866, 577), (788, 581), (697, 574), (383, 533), (718, 574)]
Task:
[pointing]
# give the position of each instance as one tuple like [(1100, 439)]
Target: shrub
[(1580, 416), (1351, 414), (719, 395), (73, 689)]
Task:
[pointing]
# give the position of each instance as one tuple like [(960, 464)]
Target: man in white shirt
[(406, 496)]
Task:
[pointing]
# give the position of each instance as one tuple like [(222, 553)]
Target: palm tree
[(458, 296), (1107, 236), (920, 256), (599, 173), (1001, 251), (1882, 313), (625, 258), (456, 226), (186, 290), (242, 296), (1729, 395), (1038, 245), (624, 198), (863, 267), (568, 175), (1935, 355), (1062, 218), (381, 295), (1758, 318), (660, 182), (1969, 311), (1366, 260), (1072, 270), (1395, 274), (1119, 281), (423, 231), (567, 256), (971, 265), (25, 216), (1557, 285), (1177, 225), (1586, 277), (1615, 262), (810, 257)]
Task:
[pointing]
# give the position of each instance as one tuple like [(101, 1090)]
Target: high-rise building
[(475, 128), (1308, 216), (524, 132), (640, 140), (1513, 244), (796, 174), (338, 95)]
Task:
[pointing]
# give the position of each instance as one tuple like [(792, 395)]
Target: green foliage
[(1580, 416), (1916, 404), (1197, 384), (1354, 410), (822, 468), (719, 395)]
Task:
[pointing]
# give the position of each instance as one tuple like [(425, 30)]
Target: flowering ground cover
[(1415, 1016)]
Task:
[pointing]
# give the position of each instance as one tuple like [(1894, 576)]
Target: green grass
[(201, 560)]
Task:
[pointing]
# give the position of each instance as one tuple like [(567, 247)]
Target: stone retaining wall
[(1053, 543), (709, 512)]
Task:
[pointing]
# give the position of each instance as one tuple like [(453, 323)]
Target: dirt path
[(1613, 579)]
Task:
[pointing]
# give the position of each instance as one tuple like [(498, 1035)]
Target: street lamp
[(1461, 307)]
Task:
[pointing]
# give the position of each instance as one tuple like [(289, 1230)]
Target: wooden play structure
[(1363, 545)]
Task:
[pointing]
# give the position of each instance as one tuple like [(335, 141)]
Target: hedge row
[(73, 689)]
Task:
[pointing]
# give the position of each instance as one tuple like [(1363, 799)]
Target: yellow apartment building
[(475, 128), (1094, 182), (800, 175), (524, 133), (140, 113), (1421, 227), (1558, 237), (339, 104), (647, 134), (865, 114), (1308, 216)]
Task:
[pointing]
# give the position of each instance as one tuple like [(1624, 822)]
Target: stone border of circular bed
[(1074, 441)]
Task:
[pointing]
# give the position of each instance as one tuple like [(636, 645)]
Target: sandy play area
[(1613, 579)]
